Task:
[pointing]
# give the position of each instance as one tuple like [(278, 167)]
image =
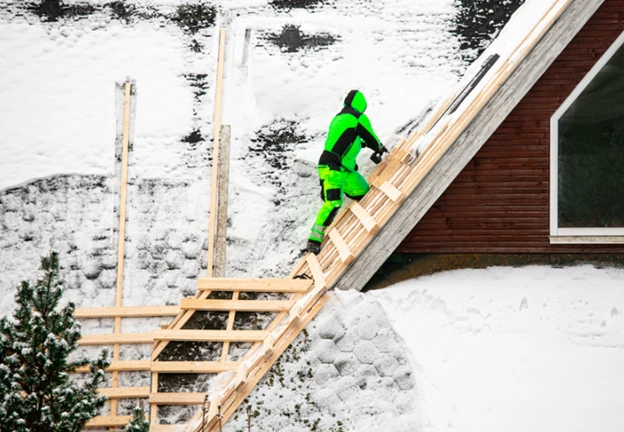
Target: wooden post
[(181, 319), (222, 202), (214, 199), (123, 193)]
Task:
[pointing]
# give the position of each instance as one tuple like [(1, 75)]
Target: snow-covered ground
[(515, 349), (498, 349)]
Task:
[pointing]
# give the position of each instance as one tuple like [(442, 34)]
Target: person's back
[(337, 166)]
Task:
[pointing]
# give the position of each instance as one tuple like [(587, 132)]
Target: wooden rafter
[(127, 312), (255, 285), (236, 305)]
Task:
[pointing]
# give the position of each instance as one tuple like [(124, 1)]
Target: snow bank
[(515, 349)]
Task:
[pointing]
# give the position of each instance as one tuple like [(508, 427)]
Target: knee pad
[(332, 195)]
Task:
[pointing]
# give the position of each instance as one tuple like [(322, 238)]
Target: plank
[(236, 305), (125, 392), (214, 192), (317, 271), (230, 326), (154, 407), (123, 196), (192, 366), (254, 285), (108, 421), (122, 232), (389, 172), (343, 248), (210, 335), (365, 218), (126, 311), (121, 338), (167, 428), (122, 366), (391, 192), (177, 398), (268, 344)]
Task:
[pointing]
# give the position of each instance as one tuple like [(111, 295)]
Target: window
[(587, 157)]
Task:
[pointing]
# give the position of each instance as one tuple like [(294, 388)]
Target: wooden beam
[(222, 202), (236, 305), (111, 339), (125, 392), (214, 192), (193, 367), (153, 408), (254, 285), (123, 195), (317, 271), (121, 240), (126, 311), (167, 428), (343, 248), (365, 218), (177, 398), (210, 335), (122, 366), (108, 421), (389, 172)]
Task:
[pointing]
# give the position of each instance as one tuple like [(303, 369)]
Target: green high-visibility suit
[(337, 166)]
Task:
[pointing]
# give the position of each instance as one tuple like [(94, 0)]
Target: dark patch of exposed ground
[(276, 141), (190, 17), (292, 39), (297, 4), (479, 21), (193, 17)]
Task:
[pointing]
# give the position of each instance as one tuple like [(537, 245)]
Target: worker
[(337, 166)]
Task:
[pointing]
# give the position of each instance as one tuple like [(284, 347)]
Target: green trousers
[(334, 185)]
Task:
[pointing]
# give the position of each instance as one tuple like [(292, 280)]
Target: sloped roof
[(459, 126)]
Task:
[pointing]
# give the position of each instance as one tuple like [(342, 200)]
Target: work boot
[(314, 247)]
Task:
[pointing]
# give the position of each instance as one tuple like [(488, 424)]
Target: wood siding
[(500, 201)]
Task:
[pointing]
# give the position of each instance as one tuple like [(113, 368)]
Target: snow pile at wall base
[(515, 349)]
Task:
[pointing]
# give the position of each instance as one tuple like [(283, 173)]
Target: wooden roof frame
[(526, 73)]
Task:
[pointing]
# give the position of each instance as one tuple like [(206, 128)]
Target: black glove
[(376, 157)]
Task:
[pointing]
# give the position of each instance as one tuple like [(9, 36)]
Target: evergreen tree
[(36, 391), (138, 422)]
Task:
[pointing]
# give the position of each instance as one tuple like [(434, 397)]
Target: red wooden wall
[(500, 201)]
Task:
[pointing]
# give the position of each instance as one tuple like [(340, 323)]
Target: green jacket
[(347, 131)]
